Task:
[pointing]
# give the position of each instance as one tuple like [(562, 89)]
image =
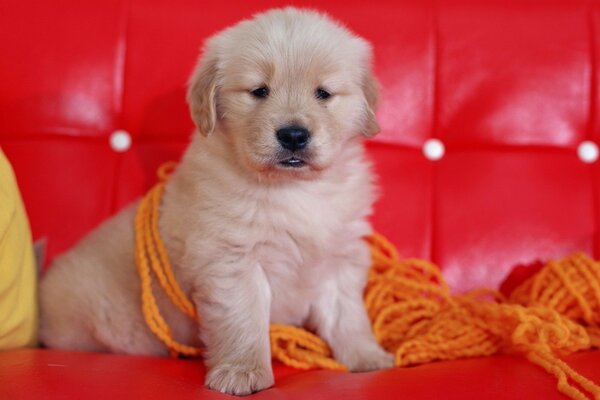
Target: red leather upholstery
[(52, 374), (509, 86)]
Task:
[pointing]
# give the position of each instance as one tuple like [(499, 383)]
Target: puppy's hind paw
[(239, 380)]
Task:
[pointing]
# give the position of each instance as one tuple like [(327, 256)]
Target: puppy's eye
[(322, 94), (260, 93)]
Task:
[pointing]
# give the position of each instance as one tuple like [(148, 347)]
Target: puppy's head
[(287, 89)]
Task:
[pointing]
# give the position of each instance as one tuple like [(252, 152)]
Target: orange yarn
[(151, 255), (554, 313), (413, 313)]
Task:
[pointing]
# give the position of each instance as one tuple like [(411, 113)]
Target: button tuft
[(433, 149), (120, 141), (588, 152)]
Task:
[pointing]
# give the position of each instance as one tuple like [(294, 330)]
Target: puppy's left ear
[(202, 94), (370, 89)]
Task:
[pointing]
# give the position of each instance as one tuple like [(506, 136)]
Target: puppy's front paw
[(366, 357), (239, 380)]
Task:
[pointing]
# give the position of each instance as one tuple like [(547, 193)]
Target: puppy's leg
[(339, 314), (233, 300)]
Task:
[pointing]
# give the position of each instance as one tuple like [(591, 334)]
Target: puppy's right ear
[(202, 95)]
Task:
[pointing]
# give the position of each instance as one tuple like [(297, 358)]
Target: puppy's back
[(80, 290)]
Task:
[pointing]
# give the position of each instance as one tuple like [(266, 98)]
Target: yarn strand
[(150, 257)]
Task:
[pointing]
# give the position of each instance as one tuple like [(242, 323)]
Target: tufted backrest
[(508, 87)]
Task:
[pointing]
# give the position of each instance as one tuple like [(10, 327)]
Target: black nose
[(293, 137)]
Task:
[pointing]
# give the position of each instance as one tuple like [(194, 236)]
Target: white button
[(120, 141), (588, 152), (433, 149)]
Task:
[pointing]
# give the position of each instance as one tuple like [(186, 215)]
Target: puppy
[(264, 219)]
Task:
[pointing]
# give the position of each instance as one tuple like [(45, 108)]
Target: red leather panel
[(50, 374), (594, 27), (403, 47), (404, 211), (60, 67), (514, 74), (496, 209), (594, 134)]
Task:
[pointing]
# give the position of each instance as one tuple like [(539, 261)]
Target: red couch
[(509, 87)]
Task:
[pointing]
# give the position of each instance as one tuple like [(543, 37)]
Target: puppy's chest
[(294, 271), (296, 241), (300, 230)]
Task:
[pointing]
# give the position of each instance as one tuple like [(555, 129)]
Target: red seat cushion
[(47, 374)]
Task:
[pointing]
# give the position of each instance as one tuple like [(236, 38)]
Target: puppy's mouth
[(292, 162), (293, 159)]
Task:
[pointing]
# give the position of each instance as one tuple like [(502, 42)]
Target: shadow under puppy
[(263, 219)]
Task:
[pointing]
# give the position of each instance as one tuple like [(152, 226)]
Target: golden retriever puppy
[(263, 219)]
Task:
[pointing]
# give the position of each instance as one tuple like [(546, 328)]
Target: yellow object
[(414, 315), (18, 302)]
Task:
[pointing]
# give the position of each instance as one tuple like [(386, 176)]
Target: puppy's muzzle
[(293, 138)]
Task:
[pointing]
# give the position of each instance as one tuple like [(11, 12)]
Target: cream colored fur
[(251, 241)]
